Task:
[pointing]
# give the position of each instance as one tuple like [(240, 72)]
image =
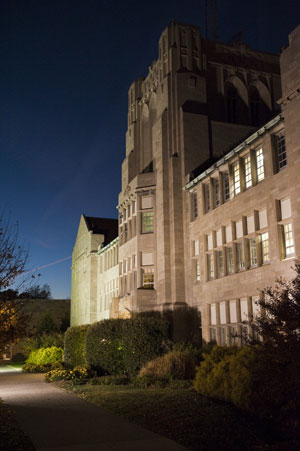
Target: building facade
[(208, 212)]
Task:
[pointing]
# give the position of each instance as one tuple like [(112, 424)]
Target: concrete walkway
[(59, 421)]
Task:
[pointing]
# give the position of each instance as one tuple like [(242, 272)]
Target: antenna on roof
[(211, 19)]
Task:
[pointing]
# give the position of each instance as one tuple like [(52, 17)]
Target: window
[(226, 186), (220, 263), (217, 192), (229, 260), (210, 266), (148, 278), (213, 314), (194, 206), (248, 174), (265, 248), (233, 336), (260, 170), (222, 336), (281, 151), (213, 334), (236, 178), (207, 197), (289, 248), (147, 222), (197, 270), (252, 252), (240, 261)]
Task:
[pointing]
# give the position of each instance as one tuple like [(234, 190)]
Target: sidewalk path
[(59, 421)]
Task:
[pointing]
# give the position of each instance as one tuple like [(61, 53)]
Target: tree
[(37, 292), (279, 322), (277, 368), (13, 258)]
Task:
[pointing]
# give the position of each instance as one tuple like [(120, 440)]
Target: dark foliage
[(119, 346), (74, 345)]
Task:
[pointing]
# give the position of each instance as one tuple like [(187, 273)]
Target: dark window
[(281, 151)]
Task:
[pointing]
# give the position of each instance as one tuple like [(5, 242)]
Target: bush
[(32, 368), (143, 340), (212, 376), (104, 347), (174, 364), (119, 346), (78, 375), (42, 341), (74, 345), (43, 359)]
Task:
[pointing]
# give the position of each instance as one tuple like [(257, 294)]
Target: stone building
[(93, 233), (208, 211)]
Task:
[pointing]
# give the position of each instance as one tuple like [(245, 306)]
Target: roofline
[(236, 150), (103, 249)]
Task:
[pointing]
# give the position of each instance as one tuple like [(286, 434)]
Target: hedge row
[(116, 346), (74, 345)]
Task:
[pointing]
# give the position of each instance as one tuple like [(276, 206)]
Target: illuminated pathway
[(59, 421)]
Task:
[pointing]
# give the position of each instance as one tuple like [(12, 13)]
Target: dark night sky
[(66, 67)]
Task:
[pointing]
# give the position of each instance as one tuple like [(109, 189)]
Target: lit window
[(248, 175), (217, 192), (197, 270), (265, 251), (220, 263), (229, 260), (226, 186), (194, 205), (147, 222), (281, 151), (240, 261), (210, 266), (207, 197), (148, 278), (260, 170), (288, 240), (236, 179), (252, 252)]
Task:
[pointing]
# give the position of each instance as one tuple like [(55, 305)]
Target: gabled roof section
[(102, 226), (209, 166)]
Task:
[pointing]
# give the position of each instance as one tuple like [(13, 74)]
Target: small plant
[(77, 375)]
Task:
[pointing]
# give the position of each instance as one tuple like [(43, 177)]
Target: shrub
[(104, 347), (32, 368), (78, 375), (42, 341), (143, 340), (43, 359), (174, 364), (212, 376), (74, 345), (119, 346)]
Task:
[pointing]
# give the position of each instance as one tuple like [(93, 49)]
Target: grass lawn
[(181, 414), (12, 438)]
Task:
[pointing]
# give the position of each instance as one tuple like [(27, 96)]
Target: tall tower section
[(199, 98)]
